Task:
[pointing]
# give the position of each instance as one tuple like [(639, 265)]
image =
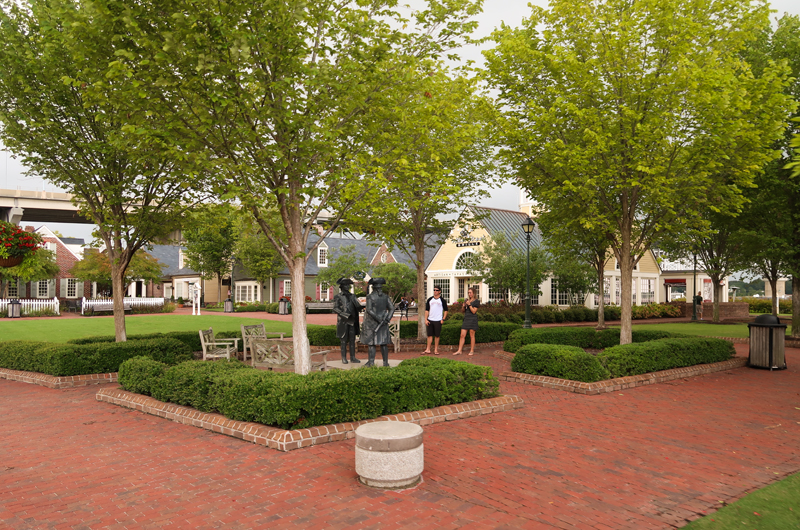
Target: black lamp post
[(527, 227)]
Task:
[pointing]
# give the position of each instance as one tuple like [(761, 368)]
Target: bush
[(564, 362), (249, 308), (580, 337), (455, 316), (98, 358), (487, 332), (289, 400), (612, 312), (764, 305), (664, 354), (272, 308), (190, 338), (139, 373), (322, 335)]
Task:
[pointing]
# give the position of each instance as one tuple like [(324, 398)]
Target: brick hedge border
[(51, 381), (621, 383), (284, 440)]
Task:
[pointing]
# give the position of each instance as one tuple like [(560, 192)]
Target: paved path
[(650, 457)]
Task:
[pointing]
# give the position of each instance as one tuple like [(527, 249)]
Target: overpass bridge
[(22, 206)]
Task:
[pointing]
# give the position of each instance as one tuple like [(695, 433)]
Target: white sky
[(495, 12)]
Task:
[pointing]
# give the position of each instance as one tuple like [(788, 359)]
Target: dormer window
[(635, 267), (322, 255), (181, 259)]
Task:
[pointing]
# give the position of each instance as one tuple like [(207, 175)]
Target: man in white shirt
[(435, 313)]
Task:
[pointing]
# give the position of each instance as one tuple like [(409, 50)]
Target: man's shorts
[(434, 328)]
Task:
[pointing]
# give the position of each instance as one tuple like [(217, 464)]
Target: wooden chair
[(278, 354), (256, 331), (217, 348)]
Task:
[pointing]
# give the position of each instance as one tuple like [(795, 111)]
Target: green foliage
[(290, 400), (400, 278), (96, 267), (664, 354), (210, 235), (138, 373), (322, 335), (564, 362), (273, 308), (78, 359), (344, 262), (764, 305), (256, 252), (190, 339), (487, 332), (503, 266), (41, 265), (580, 337)]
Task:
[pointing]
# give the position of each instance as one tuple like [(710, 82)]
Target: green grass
[(64, 329), (775, 506), (701, 328)]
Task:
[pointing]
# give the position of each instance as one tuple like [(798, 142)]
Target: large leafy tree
[(400, 278), (287, 101), (71, 125), (445, 162), (96, 266), (255, 252), (503, 267), (210, 236), (629, 116), (345, 262)]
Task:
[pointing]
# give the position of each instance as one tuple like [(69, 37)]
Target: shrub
[(272, 308), (248, 308), (190, 383), (322, 335), (612, 312), (487, 332), (139, 373), (455, 316), (764, 305), (190, 338), (664, 354), (580, 337), (97, 358), (168, 307), (408, 329), (564, 362), (231, 335), (148, 309)]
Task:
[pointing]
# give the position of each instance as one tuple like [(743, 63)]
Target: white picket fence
[(28, 305), (88, 303)]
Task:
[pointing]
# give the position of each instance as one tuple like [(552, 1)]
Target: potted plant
[(16, 244)]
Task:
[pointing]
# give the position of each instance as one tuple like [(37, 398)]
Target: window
[(72, 288), (553, 292), (464, 261), (43, 289), (495, 295), (13, 288), (633, 291), (648, 291), (535, 297), (606, 292), (635, 267), (322, 256), (178, 289), (287, 288), (463, 285), (246, 292), (181, 261), (617, 290), (324, 292), (444, 285), (563, 298)]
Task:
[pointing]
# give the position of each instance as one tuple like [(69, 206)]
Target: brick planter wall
[(284, 440), (726, 309), (50, 381)]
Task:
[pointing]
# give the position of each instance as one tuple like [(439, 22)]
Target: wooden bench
[(278, 354), (106, 308), (256, 331), (319, 305), (214, 348)]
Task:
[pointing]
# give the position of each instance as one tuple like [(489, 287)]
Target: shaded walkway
[(649, 457)]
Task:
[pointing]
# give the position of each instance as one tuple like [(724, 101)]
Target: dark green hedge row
[(570, 362), (581, 337), (292, 401), (190, 338), (487, 332), (80, 359), (555, 360)]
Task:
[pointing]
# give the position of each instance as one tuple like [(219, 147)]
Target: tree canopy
[(210, 235), (96, 267), (628, 116)]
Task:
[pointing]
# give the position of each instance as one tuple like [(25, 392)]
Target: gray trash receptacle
[(283, 306), (228, 305), (767, 343)]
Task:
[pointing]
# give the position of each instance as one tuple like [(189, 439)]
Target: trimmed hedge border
[(622, 383), (57, 383), (283, 440)]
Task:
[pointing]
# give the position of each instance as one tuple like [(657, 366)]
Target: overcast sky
[(509, 11)]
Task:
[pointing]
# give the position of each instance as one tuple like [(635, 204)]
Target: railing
[(132, 302), (29, 305)]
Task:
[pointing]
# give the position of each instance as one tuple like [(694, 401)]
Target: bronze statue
[(379, 313), (347, 306)]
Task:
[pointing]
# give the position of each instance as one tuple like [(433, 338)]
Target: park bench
[(256, 331), (278, 354), (214, 348), (106, 308), (319, 305)]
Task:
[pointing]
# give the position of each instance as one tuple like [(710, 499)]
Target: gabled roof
[(507, 222), (430, 252), (169, 255)]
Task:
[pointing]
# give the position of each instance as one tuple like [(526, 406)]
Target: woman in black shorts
[(470, 322)]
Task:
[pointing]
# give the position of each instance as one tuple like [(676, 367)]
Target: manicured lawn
[(775, 506), (63, 329), (701, 328)]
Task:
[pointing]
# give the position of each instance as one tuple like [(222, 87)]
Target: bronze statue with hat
[(379, 313), (347, 306)]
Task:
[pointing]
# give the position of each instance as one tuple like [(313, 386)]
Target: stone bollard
[(389, 454)]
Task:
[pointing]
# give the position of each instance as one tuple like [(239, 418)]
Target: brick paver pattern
[(650, 457)]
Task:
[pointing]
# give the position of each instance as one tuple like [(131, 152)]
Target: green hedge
[(451, 332), (764, 305), (190, 338), (555, 360), (664, 354), (580, 337), (79, 359), (293, 401)]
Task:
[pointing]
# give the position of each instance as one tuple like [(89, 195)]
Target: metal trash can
[(228, 305), (283, 306), (14, 309), (767, 343)]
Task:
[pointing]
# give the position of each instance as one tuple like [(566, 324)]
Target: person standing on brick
[(435, 313)]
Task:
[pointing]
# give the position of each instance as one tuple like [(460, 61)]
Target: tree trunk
[(773, 283), (717, 283), (796, 306), (302, 348), (422, 330), (626, 277), (601, 317), (219, 288), (118, 286)]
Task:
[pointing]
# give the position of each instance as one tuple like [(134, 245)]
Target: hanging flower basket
[(16, 244)]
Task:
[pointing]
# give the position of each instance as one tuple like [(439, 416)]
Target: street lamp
[(528, 227)]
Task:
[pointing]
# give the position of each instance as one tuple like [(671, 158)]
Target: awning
[(667, 282)]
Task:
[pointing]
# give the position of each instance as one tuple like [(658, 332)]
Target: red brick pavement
[(650, 457)]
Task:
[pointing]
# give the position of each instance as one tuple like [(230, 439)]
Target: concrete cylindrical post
[(389, 454)]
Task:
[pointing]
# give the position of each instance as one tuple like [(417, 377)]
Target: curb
[(56, 382)]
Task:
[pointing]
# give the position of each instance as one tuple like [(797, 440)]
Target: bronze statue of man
[(379, 313), (347, 306)]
